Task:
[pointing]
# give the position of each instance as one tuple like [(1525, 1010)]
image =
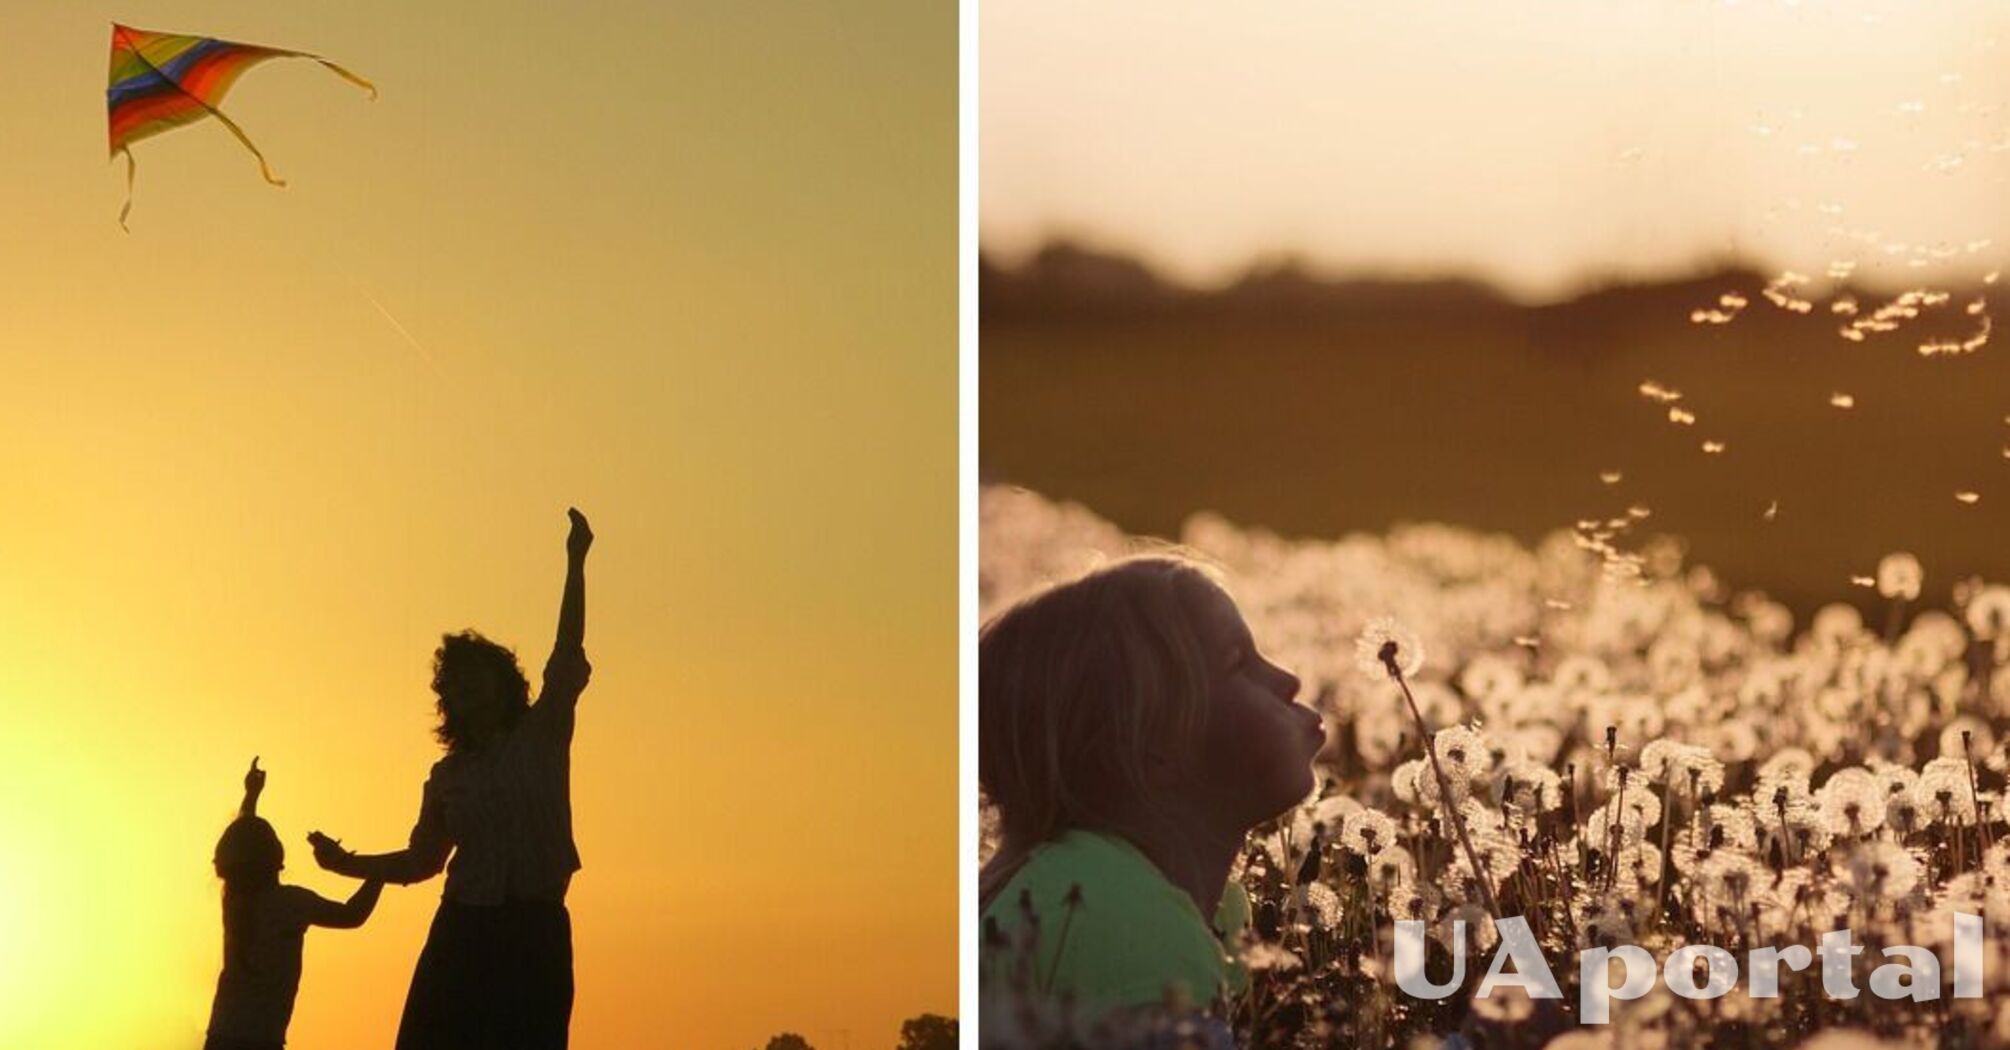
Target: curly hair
[(468, 661)]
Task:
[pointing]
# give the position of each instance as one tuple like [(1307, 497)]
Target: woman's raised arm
[(572, 605), (565, 674)]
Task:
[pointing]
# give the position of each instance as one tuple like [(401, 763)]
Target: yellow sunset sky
[(689, 266), (1535, 144)]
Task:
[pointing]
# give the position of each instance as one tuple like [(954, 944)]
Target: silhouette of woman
[(496, 971)]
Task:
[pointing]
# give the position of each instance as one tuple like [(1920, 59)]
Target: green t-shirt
[(1133, 938)]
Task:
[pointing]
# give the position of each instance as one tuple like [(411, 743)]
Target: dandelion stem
[(1617, 835), (1444, 785), (1667, 821), (1974, 796)]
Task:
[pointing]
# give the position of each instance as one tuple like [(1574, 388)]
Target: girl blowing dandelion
[(264, 923), (1130, 736)]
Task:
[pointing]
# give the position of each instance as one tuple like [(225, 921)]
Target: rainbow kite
[(161, 81)]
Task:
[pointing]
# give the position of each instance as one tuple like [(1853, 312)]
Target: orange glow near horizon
[(259, 454)]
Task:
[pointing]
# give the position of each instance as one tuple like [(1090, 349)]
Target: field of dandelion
[(1663, 761)]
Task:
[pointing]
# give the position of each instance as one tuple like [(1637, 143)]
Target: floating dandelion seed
[(1729, 305), (1682, 416), (1990, 277), (1638, 511), (1654, 391), (1863, 581), (1611, 477), (1979, 339), (1968, 497), (1958, 346), (1841, 400), (1777, 294), (1713, 447), (1844, 306), (1980, 304), (1772, 510), (1528, 641)]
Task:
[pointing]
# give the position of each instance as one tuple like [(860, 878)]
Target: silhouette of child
[(264, 923), (1130, 734)]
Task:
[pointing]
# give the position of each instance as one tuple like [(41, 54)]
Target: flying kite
[(160, 81)]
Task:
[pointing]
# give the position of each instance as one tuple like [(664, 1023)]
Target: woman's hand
[(581, 536), (329, 853)]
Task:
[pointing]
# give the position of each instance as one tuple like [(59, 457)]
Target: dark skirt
[(492, 978), (224, 1042)]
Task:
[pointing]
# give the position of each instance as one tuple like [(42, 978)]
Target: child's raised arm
[(254, 784)]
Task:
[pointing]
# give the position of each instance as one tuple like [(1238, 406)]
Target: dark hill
[(1316, 406)]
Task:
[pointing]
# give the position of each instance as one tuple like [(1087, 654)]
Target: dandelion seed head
[(1880, 871), (1368, 832), (1385, 648), (1852, 802), (1899, 575), (1988, 612)]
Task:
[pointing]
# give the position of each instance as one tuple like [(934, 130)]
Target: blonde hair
[(1082, 688)]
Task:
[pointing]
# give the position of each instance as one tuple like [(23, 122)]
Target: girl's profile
[(1131, 733)]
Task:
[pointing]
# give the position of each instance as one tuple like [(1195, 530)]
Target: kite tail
[(263, 167), (348, 76), (130, 167)]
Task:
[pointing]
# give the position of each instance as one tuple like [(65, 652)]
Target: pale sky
[(687, 265), (1532, 143)]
